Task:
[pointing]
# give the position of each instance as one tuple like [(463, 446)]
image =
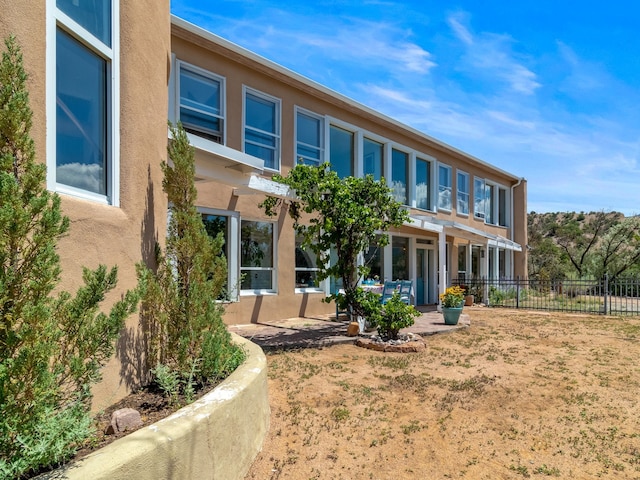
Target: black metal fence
[(620, 296)]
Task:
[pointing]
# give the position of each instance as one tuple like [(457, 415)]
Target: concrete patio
[(320, 331)]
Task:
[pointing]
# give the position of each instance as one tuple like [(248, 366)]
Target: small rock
[(353, 329), (123, 420)]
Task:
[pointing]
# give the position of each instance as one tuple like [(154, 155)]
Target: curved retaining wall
[(216, 437)]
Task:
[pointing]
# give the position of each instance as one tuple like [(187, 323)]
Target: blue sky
[(549, 91)]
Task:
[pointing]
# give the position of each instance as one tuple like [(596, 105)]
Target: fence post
[(606, 293), (518, 291)]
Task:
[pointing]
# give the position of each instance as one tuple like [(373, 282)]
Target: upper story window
[(257, 256), (262, 128), (489, 194), (309, 138), (423, 184), (502, 206), (399, 174), (201, 102), (372, 158), (341, 151), (462, 193), (444, 187), (479, 200), (83, 156)]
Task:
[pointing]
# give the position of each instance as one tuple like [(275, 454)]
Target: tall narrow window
[(479, 203), (309, 138), (341, 151), (225, 223), (373, 258), (86, 136), (400, 258), (201, 104), (444, 187), (423, 182), (489, 191), (257, 255), (399, 174), (462, 193), (306, 267), (372, 158), (502, 207), (262, 128)]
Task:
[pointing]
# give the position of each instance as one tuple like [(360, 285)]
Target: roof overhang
[(424, 222), (243, 172)]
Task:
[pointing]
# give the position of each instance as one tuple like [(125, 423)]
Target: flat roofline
[(212, 37)]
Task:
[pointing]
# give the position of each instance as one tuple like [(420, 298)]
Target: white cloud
[(85, 177)]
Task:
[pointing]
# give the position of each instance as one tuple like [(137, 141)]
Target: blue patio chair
[(388, 290), (405, 291)]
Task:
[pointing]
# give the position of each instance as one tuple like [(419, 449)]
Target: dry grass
[(518, 395)]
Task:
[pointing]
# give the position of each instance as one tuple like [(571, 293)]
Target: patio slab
[(321, 331)]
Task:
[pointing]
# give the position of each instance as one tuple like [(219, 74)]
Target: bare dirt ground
[(517, 395)]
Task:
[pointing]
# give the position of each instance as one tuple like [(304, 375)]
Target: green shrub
[(52, 346), (394, 316)]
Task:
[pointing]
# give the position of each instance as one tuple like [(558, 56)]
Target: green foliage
[(179, 307), (52, 346), (394, 316), (347, 215)]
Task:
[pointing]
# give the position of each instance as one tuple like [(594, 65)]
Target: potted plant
[(452, 301)]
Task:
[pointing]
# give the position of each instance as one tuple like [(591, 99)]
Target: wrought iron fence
[(620, 296)]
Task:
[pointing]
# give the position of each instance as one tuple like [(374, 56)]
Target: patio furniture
[(388, 290), (405, 291)]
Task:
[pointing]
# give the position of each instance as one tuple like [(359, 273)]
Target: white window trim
[(450, 187), (56, 18), (322, 119), (410, 179), (274, 268), (175, 104), (467, 193), (233, 259), (278, 135)]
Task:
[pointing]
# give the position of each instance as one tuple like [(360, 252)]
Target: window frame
[(407, 180), (274, 260), (233, 254), (354, 150), (445, 188), (297, 143), (429, 183), (479, 198), (179, 65), (59, 20), (277, 135), (320, 288), (460, 193)]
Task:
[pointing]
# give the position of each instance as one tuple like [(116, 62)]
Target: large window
[(462, 193), (309, 138), (444, 187), (502, 207), (372, 161), (84, 155), (306, 267), (262, 128), (341, 151), (201, 102), (374, 259), (399, 171), (423, 184), (226, 224), (479, 200), (257, 255)]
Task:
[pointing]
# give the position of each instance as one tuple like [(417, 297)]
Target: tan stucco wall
[(102, 234), (217, 437)]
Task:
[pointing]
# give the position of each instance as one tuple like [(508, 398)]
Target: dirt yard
[(517, 395)]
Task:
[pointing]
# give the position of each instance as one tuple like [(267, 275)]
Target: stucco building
[(103, 81)]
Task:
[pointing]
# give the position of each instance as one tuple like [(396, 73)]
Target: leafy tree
[(180, 307), (344, 214), (52, 346), (579, 239), (618, 251)]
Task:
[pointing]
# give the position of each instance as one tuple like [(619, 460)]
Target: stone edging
[(216, 437)]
